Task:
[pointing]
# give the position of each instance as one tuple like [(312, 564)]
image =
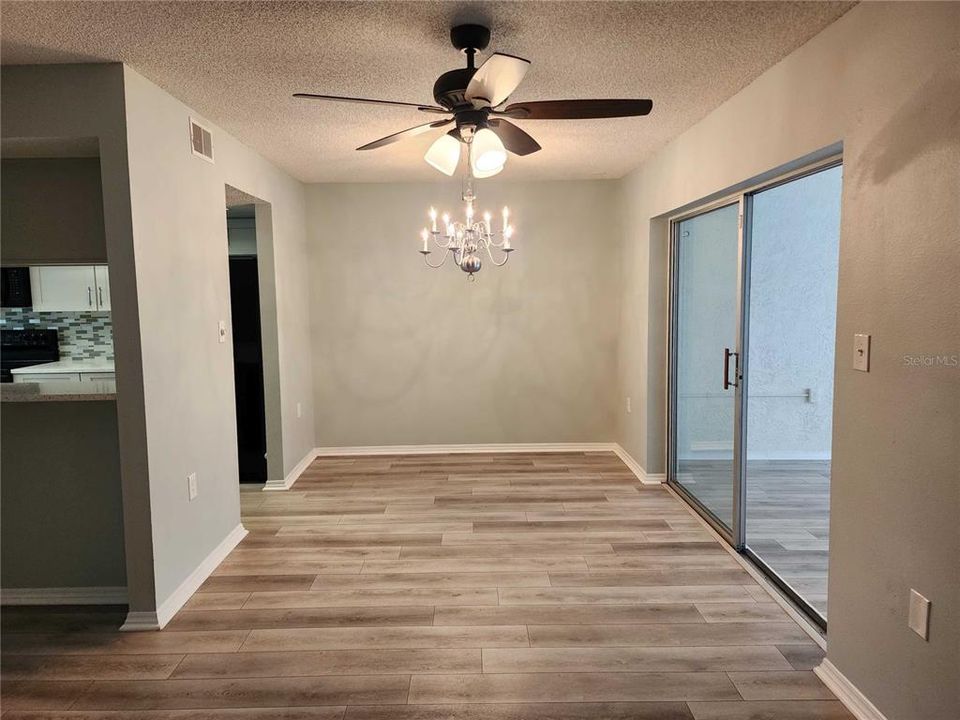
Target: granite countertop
[(58, 391), (68, 365)]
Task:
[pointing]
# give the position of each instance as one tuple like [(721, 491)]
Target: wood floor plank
[(251, 583), (140, 643), (802, 657), (478, 565), (266, 567), (508, 550), (88, 667), (392, 637), (216, 601), (246, 693), (780, 686), (432, 580), (810, 710), (40, 695), (291, 663), (625, 595), (742, 612), (632, 659), (568, 614), (570, 687), (383, 616), (701, 576), (373, 597), (331, 712), (675, 634), (528, 711)]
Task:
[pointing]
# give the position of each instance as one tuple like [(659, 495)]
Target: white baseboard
[(64, 596), (293, 475), (847, 693), (140, 620), (467, 448), (642, 475)]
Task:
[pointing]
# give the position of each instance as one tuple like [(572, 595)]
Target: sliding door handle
[(727, 354)]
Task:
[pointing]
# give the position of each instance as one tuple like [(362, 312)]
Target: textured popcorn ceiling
[(238, 64)]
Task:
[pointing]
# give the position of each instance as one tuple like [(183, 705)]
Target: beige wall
[(408, 355), (180, 239), (52, 211), (885, 81)]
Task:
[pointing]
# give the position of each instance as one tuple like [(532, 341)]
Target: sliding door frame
[(732, 535), (735, 536)]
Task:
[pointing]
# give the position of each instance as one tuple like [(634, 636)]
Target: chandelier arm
[(443, 259), (506, 256)]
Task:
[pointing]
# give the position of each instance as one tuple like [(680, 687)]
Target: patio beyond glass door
[(706, 301)]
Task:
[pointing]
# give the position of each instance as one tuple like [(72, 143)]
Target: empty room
[(520, 360)]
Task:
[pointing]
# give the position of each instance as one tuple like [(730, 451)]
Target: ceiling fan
[(475, 97)]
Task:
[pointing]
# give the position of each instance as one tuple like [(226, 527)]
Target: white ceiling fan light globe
[(487, 154), (444, 154)]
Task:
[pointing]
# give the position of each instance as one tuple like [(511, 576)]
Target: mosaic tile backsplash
[(83, 335)]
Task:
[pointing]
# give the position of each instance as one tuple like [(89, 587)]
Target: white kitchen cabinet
[(102, 277), (69, 288), (97, 376), (45, 377)]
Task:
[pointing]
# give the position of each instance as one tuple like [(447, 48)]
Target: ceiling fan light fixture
[(487, 154), (444, 154)]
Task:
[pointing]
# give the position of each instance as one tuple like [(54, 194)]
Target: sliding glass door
[(794, 251), (705, 300), (753, 319)]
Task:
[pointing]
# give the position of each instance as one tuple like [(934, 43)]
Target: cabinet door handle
[(89, 296), (100, 296)]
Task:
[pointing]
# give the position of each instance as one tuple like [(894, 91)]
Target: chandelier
[(468, 240)]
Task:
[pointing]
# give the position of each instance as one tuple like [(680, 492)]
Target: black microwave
[(15, 287)]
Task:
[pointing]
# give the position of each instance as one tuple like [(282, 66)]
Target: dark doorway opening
[(247, 345)]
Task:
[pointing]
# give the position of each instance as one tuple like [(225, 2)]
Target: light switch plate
[(192, 486), (222, 331), (919, 615), (629, 405), (299, 410), (861, 352)]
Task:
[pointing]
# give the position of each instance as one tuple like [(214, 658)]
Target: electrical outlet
[(222, 331), (299, 410), (861, 352), (192, 486), (919, 614), (629, 407)]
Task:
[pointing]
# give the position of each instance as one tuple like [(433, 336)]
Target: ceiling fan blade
[(368, 101), (513, 138), (493, 81), (576, 109), (404, 134)]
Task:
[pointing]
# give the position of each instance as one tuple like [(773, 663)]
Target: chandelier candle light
[(467, 240)]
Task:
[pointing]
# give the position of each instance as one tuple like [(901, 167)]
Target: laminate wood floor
[(788, 515), (504, 587)]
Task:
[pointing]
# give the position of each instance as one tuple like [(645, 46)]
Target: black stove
[(21, 348)]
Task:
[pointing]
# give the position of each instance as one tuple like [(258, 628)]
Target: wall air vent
[(201, 141)]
